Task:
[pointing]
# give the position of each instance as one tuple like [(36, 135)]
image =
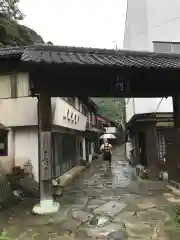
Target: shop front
[(65, 153)]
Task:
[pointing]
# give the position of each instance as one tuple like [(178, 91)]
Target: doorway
[(142, 148)]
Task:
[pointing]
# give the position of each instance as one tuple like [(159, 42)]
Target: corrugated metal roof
[(89, 56)]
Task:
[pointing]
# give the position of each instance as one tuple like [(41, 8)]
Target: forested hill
[(14, 34), (112, 108)]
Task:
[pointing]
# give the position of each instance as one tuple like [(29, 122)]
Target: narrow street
[(100, 205)]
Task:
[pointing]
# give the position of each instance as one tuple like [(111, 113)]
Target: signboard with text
[(119, 86), (46, 163)]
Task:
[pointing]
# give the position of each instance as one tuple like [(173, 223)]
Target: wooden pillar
[(152, 151), (174, 158), (46, 206), (171, 154), (45, 154)]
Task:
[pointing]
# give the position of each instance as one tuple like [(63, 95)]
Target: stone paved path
[(101, 205)]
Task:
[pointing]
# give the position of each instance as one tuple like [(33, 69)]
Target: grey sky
[(89, 23)]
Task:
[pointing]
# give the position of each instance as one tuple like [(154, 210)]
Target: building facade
[(19, 115), (150, 26)]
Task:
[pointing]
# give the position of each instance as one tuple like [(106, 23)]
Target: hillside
[(111, 108), (12, 33)]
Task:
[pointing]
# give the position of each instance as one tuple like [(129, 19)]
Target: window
[(166, 47), (175, 47), (71, 100), (3, 143), (84, 111), (162, 47), (13, 79), (161, 145), (15, 85)]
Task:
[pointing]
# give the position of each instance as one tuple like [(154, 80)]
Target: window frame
[(171, 46), (4, 152)]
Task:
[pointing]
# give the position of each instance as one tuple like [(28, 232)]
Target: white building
[(151, 25), (18, 113)]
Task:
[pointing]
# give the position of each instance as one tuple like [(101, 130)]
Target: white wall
[(18, 112), (62, 118), (26, 148), (148, 21), (163, 21), (111, 130), (136, 34), (151, 20), (22, 111), (147, 105), (84, 148)]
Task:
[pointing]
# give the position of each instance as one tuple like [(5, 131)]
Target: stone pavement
[(100, 204)]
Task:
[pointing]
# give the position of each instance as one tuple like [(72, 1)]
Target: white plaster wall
[(23, 112), (18, 112), (26, 148), (61, 117)]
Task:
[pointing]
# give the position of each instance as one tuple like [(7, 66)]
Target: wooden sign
[(119, 85), (46, 163)]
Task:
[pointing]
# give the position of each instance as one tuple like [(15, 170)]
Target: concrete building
[(19, 142), (151, 26)]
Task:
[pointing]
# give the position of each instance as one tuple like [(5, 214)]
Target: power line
[(158, 105), (158, 25)]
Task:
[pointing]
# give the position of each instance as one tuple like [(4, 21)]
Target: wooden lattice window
[(161, 145)]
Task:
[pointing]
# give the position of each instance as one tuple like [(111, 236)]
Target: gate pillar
[(47, 205)]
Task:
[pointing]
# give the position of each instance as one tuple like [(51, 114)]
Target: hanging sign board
[(46, 163), (119, 86)]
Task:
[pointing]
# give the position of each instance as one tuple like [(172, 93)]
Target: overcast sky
[(88, 23)]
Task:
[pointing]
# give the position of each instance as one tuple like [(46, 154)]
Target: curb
[(173, 190), (67, 178)]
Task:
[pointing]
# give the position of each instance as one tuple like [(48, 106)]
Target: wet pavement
[(100, 204)]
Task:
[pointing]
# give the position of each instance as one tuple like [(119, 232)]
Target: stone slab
[(139, 230), (81, 215), (110, 208)]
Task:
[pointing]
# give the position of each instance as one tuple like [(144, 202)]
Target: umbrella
[(108, 136)]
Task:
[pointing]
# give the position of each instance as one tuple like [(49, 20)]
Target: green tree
[(112, 108), (11, 9)]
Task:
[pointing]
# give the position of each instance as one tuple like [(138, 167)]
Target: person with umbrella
[(106, 150)]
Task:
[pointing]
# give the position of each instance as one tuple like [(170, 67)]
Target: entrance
[(85, 72), (142, 148)]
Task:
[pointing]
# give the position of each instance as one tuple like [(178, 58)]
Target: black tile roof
[(90, 56)]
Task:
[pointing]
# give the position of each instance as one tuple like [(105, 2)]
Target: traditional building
[(19, 114), (69, 71)]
